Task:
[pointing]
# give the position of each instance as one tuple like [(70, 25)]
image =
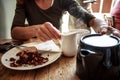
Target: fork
[(40, 51)]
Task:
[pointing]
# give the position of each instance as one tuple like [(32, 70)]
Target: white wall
[(7, 9)]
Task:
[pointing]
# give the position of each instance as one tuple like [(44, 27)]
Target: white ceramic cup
[(70, 41), (69, 44)]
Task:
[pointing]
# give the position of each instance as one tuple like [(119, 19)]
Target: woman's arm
[(23, 33), (44, 32), (75, 9), (98, 25)]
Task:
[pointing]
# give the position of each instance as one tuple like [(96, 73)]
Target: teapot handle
[(86, 52)]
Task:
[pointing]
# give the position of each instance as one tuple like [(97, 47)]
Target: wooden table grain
[(63, 68)]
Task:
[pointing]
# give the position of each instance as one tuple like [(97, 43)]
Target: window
[(103, 6)]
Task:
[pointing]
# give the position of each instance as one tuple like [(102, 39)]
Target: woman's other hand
[(100, 26), (114, 31), (111, 30)]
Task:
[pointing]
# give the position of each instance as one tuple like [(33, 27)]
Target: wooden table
[(62, 69)]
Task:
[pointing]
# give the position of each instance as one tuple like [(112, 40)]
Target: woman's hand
[(101, 27), (114, 31), (47, 31), (111, 30), (44, 32)]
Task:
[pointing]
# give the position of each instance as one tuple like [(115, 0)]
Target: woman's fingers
[(47, 31), (114, 31), (42, 35), (103, 30), (53, 30), (110, 29)]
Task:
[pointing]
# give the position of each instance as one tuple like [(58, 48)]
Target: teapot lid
[(99, 40)]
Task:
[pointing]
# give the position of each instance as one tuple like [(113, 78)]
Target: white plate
[(12, 53)]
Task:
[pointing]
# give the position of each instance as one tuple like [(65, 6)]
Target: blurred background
[(7, 8)]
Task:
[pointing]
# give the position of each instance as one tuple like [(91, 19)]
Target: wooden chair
[(110, 20)]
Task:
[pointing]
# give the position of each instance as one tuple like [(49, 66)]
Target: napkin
[(48, 45)]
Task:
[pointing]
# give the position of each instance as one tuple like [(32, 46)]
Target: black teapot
[(98, 57)]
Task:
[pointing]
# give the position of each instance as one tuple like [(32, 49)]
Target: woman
[(44, 17)]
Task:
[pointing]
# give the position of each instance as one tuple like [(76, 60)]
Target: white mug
[(69, 44), (70, 41)]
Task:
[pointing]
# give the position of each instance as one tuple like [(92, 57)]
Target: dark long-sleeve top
[(35, 15)]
